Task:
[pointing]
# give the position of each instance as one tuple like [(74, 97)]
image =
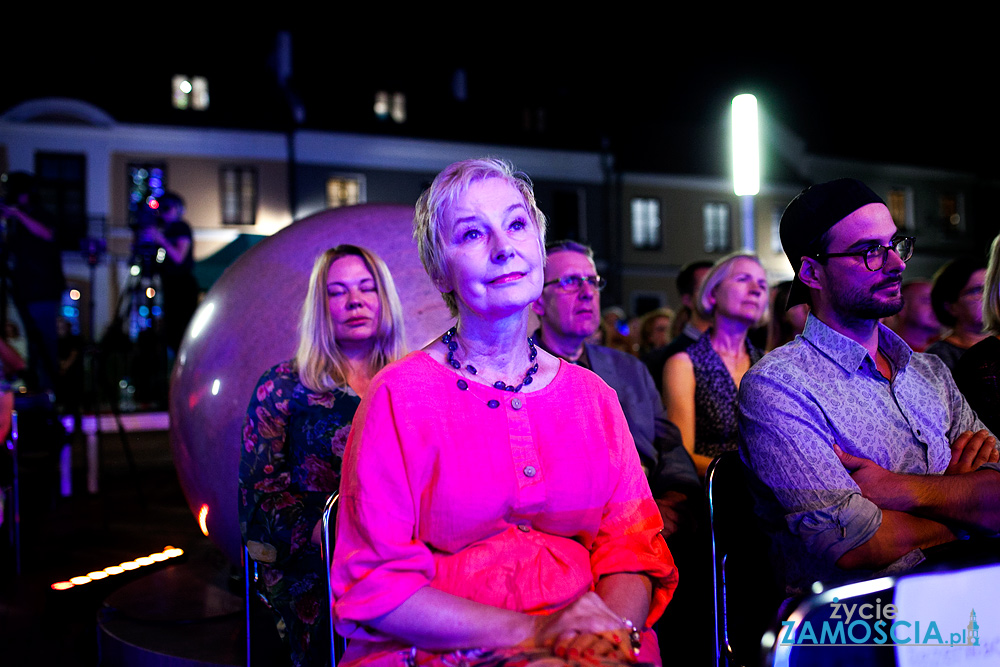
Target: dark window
[(61, 180), (565, 221)]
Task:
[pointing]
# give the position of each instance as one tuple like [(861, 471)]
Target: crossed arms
[(918, 509), (851, 511)]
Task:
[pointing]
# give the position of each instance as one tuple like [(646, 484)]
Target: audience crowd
[(863, 404)]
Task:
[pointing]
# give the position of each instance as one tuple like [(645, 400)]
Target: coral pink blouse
[(523, 506)]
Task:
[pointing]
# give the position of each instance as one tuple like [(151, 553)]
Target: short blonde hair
[(448, 186), (991, 291), (320, 364), (721, 270)]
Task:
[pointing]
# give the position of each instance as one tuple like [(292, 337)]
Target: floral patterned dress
[(293, 441)]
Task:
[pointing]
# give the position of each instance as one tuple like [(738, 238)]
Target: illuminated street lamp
[(746, 162)]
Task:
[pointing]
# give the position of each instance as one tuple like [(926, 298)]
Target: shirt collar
[(849, 353), (692, 332), (583, 360)]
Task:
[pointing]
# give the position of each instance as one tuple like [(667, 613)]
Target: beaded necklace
[(449, 339)]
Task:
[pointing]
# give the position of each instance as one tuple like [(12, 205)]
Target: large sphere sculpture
[(248, 322)]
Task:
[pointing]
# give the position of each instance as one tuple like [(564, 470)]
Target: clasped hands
[(585, 632), (890, 491)]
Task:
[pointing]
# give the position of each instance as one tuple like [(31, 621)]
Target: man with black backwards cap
[(870, 452)]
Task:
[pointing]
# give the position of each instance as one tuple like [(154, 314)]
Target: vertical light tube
[(746, 150)]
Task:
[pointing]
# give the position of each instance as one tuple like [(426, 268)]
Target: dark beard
[(876, 311), (854, 309)]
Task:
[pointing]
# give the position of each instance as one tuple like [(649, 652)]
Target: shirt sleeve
[(788, 444), (629, 536), (378, 560), (269, 505)]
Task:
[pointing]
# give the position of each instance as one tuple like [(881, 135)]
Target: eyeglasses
[(570, 284), (876, 254), (975, 290)]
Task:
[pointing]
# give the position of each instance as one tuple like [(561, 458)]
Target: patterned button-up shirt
[(824, 388)]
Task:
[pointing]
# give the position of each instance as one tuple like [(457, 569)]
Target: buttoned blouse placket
[(526, 462)]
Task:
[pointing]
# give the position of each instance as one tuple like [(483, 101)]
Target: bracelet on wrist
[(633, 635)]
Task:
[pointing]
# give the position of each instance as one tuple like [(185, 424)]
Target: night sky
[(657, 99)]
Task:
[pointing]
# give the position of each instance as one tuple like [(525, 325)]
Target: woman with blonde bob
[(700, 384), (493, 508), (296, 428), (977, 372)]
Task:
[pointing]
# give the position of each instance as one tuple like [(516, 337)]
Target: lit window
[(896, 202), (950, 208), (776, 246), (145, 184), (399, 107), (344, 191), (381, 106), (715, 226), (199, 93), (189, 92), (390, 106), (181, 91), (239, 195), (645, 223), (901, 201)]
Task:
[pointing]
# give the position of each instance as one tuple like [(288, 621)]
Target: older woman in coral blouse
[(493, 509)]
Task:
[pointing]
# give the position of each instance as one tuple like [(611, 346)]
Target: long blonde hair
[(320, 363), (991, 291)]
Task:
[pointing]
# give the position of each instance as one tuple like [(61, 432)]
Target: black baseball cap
[(810, 215)]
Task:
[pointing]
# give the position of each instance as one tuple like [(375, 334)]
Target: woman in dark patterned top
[(700, 384), (977, 372), (295, 431)]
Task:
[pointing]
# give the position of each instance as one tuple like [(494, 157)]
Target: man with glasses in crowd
[(869, 452), (569, 312)]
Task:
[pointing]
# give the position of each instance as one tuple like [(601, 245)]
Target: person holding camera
[(180, 288), (37, 281)]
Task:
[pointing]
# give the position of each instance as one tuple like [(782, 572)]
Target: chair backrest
[(262, 641), (851, 623), (249, 572), (338, 644), (13, 493), (251, 590), (746, 596), (783, 651)]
